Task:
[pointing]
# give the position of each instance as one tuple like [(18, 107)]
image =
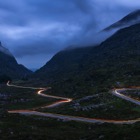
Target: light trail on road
[(115, 92)]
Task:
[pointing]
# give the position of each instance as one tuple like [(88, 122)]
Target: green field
[(14, 126), (106, 105), (39, 128), (18, 98)]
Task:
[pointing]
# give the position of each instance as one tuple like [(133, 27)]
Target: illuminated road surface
[(115, 92), (73, 118), (63, 100)]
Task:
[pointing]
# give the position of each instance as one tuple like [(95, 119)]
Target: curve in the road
[(115, 92)]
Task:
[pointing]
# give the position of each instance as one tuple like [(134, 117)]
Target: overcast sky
[(34, 30)]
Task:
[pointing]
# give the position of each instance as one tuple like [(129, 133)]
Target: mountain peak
[(9, 65), (5, 50), (130, 19), (136, 12), (135, 15)]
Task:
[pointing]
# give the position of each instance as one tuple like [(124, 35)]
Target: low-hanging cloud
[(39, 29)]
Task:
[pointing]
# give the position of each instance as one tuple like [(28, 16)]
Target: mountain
[(116, 60), (130, 19), (5, 50), (66, 61), (9, 65)]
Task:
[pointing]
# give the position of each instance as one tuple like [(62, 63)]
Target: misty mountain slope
[(116, 59), (9, 65), (5, 50), (67, 60), (130, 19)]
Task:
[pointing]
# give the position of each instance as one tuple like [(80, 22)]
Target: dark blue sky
[(34, 30)]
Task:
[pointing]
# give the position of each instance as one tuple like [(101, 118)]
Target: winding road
[(117, 92), (40, 91)]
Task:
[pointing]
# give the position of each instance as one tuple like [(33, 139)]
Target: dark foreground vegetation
[(14, 126), (38, 128)]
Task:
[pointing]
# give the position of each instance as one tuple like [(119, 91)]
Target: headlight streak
[(63, 100)]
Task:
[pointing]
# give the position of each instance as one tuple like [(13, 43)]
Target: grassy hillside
[(113, 63)]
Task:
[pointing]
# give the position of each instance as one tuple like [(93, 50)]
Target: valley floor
[(89, 106)]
